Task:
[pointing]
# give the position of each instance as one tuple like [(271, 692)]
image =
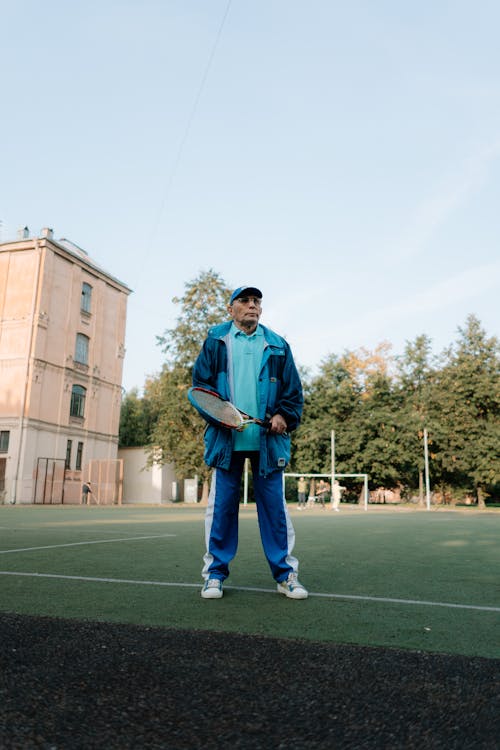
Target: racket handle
[(267, 425)]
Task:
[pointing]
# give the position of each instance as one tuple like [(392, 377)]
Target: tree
[(136, 420), (467, 406), (340, 399), (379, 424), (203, 304), (177, 435), (364, 366), (371, 429), (415, 379), (329, 402)]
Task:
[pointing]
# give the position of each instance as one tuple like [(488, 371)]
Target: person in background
[(301, 492), (322, 492), (86, 491), (336, 495)]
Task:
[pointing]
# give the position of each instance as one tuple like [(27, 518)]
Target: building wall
[(40, 316), (141, 485), (18, 283)]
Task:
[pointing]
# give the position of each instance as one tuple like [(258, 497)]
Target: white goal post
[(333, 477)]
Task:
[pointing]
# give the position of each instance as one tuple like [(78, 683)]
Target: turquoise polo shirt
[(246, 361)]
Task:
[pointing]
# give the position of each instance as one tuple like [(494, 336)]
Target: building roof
[(68, 247)]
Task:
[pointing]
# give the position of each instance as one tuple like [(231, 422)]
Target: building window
[(86, 298), (68, 454), (3, 465), (4, 441), (77, 406), (82, 349), (79, 454)]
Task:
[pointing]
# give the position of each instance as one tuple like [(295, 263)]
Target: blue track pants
[(221, 520)]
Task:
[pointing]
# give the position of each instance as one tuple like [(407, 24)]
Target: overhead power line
[(189, 123)]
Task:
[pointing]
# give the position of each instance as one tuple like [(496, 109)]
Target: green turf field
[(413, 580)]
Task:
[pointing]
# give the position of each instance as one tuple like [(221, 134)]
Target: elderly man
[(253, 367)]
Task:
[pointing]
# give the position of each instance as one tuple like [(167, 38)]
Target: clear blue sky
[(344, 157)]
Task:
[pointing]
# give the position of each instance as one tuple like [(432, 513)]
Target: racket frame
[(245, 419)]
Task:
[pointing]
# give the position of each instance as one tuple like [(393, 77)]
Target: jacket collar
[(221, 330)]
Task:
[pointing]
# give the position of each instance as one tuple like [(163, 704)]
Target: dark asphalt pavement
[(83, 686)]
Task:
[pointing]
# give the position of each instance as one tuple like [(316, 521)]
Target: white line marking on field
[(384, 600), (411, 601), (92, 579), (79, 544)]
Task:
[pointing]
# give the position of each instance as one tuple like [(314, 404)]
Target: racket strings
[(221, 410)]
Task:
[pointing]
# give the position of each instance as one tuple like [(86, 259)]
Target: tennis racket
[(210, 405)]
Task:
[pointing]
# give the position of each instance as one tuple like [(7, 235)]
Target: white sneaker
[(292, 588), (212, 589)]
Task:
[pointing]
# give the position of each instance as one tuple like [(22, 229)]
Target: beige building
[(62, 334)]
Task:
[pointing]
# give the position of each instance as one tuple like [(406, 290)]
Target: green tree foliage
[(330, 400), (379, 408), (203, 304), (466, 406), (343, 398), (136, 420), (379, 422), (177, 435), (415, 378)]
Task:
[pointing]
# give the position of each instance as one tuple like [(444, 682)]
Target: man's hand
[(277, 424)]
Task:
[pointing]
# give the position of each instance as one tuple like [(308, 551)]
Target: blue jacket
[(279, 392)]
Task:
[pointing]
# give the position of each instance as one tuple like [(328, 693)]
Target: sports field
[(410, 580), (105, 641)]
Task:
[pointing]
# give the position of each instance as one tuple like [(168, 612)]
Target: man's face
[(245, 312)]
